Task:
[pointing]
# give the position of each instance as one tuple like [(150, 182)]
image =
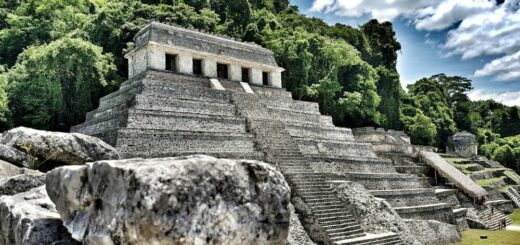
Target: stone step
[(354, 231), (344, 218), (343, 237), (329, 212), (320, 132), (425, 170), (310, 146), (436, 211), (166, 104), (158, 143), (326, 198), (185, 121), (372, 181), (407, 197), (294, 106), (370, 239), (324, 207), (315, 193), (182, 89), (146, 119)]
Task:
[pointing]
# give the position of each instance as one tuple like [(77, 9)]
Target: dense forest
[(58, 57)]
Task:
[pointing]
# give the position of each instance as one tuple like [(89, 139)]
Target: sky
[(477, 39)]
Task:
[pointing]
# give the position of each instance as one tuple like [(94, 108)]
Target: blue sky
[(478, 39)]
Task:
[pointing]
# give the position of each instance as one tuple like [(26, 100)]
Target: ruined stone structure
[(159, 113), (471, 207), (462, 144)]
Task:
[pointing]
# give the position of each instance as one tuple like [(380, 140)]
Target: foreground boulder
[(31, 218), (55, 149), (185, 200)]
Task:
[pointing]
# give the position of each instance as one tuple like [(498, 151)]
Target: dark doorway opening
[(171, 62), (222, 71), (197, 67), (265, 78), (245, 75)]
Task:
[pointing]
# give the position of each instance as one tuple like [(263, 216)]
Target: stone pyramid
[(160, 113)]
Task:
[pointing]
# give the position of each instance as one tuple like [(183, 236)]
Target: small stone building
[(163, 47), (462, 144)]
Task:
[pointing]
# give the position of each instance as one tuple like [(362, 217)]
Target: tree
[(115, 24), (52, 86), (36, 22), (383, 43), (431, 97), (390, 91), (5, 122)]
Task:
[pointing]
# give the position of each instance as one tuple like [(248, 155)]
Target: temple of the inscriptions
[(191, 93), (179, 50)]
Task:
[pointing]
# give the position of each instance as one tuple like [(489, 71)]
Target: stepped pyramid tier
[(185, 110)]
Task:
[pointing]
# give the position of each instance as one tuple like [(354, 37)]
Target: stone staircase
[(514, 196), (493, 218), (330, 213), (274, 135)]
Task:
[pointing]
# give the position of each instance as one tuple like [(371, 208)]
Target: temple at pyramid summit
[(196, 93)]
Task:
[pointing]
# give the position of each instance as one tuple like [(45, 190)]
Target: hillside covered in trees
[(58, 57)]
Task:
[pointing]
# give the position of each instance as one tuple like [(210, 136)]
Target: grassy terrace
[(465, 168), (472, 236), (489, 182), (453, 159)]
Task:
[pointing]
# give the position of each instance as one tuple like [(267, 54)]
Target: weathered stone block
[(189, 200)]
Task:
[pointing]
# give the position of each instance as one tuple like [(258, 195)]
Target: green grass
[(464, 167), (472, 236), (512, 175), (489, 182), (515, 216), (454, 159)]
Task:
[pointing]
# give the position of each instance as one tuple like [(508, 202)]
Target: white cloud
[(379, 9), (485, 28), (449, 12), (505, 68), (506, 98)]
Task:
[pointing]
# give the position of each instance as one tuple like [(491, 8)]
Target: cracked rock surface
[(184, 200), (21, 183), (31, 218)]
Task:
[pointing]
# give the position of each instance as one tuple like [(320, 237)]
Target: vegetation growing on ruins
[(58, 57)]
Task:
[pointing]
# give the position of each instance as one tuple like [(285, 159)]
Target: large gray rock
[(375, 215), (15, 156), (30, 218), (21, 183), (54, 148), (8, 170), (186, 200)]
